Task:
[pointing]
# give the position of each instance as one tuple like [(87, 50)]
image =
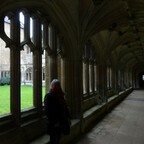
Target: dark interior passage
[(141, 80)]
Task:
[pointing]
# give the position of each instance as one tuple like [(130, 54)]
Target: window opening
[(26, 80), (4, 78), (26, 68), (21, 18), (7, 24), (84, 78), (43, 76), (143, 77), (95, 81), (31, 29), (90, 77)]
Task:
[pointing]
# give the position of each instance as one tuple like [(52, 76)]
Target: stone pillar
[(102, 81), (53, 55), (26, 26), (63, 74), (92, 76), (87, 84), (37, 80), (15, 68), (96, 76), (53, 67), (37, 65), (130, 79), (73, 82), (115, 80), (122, 80), (47, 53), (59, 57)]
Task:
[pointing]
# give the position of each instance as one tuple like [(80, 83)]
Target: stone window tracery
[(36, 55), (89, 70)]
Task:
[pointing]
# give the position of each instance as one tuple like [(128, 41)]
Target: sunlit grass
[(4, 99), (26, 98)]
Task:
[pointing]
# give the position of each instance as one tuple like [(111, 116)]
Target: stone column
[(122, 80), (15, 68), (73, 82), (87, 84), (92, 76), (37, 80), (130, 79), (63, 74), (37, 65), (96, 76), (116, 82), (47, 53), (53, 55), (26, 26), (102, 81), (53, 67)]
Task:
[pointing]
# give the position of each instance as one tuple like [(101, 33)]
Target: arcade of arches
[(94, 47)]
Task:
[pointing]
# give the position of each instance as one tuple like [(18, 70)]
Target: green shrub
[(5, 81)]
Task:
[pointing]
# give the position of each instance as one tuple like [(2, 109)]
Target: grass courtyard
[(26, 98)]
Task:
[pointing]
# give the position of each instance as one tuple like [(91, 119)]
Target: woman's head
[(55, 84)]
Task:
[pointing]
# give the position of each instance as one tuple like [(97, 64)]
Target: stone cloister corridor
[(96, 50)]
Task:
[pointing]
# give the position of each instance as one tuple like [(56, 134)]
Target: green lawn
[(26, 98)]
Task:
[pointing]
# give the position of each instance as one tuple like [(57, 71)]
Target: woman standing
[(57, 113)]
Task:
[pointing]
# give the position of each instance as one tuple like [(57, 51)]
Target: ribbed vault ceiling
[(126, 35), (115, 27)]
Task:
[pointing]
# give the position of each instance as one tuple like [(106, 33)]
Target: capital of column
[(85, 60)]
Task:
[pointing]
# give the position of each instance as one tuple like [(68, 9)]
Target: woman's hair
[(56, 84)]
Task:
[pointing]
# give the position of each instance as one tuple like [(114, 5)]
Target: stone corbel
[(60, 52), (48, 49)]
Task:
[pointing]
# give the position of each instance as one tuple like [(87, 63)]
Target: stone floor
[(123, 125)]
